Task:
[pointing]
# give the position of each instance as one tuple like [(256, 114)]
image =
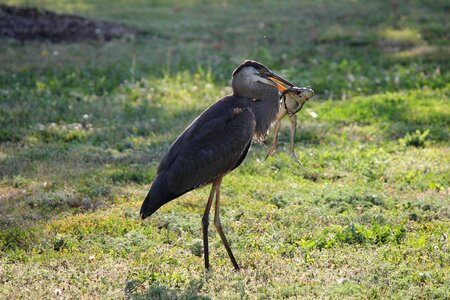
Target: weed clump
[(354, 234), (17, 238), (416, 139)]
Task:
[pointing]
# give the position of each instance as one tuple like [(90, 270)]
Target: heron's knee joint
[(217, 223)]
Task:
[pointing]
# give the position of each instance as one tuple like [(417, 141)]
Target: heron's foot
[(271, 150)]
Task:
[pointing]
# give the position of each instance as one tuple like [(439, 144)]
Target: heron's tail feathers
[(156, 197)]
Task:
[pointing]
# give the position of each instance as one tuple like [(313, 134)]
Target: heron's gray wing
[(210, 147)]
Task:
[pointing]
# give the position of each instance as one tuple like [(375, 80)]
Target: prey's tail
[(156, 197)]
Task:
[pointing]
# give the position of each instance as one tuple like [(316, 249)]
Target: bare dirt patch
[(22, 24)]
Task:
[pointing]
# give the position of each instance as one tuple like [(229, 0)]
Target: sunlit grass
[(421, 52), (406, 35)]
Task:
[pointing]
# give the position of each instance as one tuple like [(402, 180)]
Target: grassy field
[(83, 127)]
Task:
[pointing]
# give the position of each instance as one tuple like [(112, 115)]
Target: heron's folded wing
[(213, 148)]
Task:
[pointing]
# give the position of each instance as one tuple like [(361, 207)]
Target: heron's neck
[(265, 108)]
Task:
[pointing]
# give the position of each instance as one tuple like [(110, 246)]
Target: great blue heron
[(217, 142)]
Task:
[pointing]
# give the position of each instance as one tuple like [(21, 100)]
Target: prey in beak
[(293, 99)]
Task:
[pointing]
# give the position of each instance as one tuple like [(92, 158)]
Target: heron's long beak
[(279, 82)]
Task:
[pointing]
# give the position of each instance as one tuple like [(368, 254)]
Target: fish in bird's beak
[(280, 83)]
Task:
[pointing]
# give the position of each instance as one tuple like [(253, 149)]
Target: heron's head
[(252, 76)]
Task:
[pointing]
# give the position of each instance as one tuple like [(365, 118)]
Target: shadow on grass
[(47, 181), (133, 291)]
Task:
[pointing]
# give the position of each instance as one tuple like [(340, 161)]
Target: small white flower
[(312, 114), (85, 116), (91, 258), (397, 80), (57, 292), (78, 127), (350, 77)]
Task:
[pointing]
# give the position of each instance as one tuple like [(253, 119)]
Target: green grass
[(83, 127)]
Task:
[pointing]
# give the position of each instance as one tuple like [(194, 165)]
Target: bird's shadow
[(135, 290)]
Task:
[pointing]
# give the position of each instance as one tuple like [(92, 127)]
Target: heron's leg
[(275, 133), (219, 228), (205, 223), (293, 119)]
